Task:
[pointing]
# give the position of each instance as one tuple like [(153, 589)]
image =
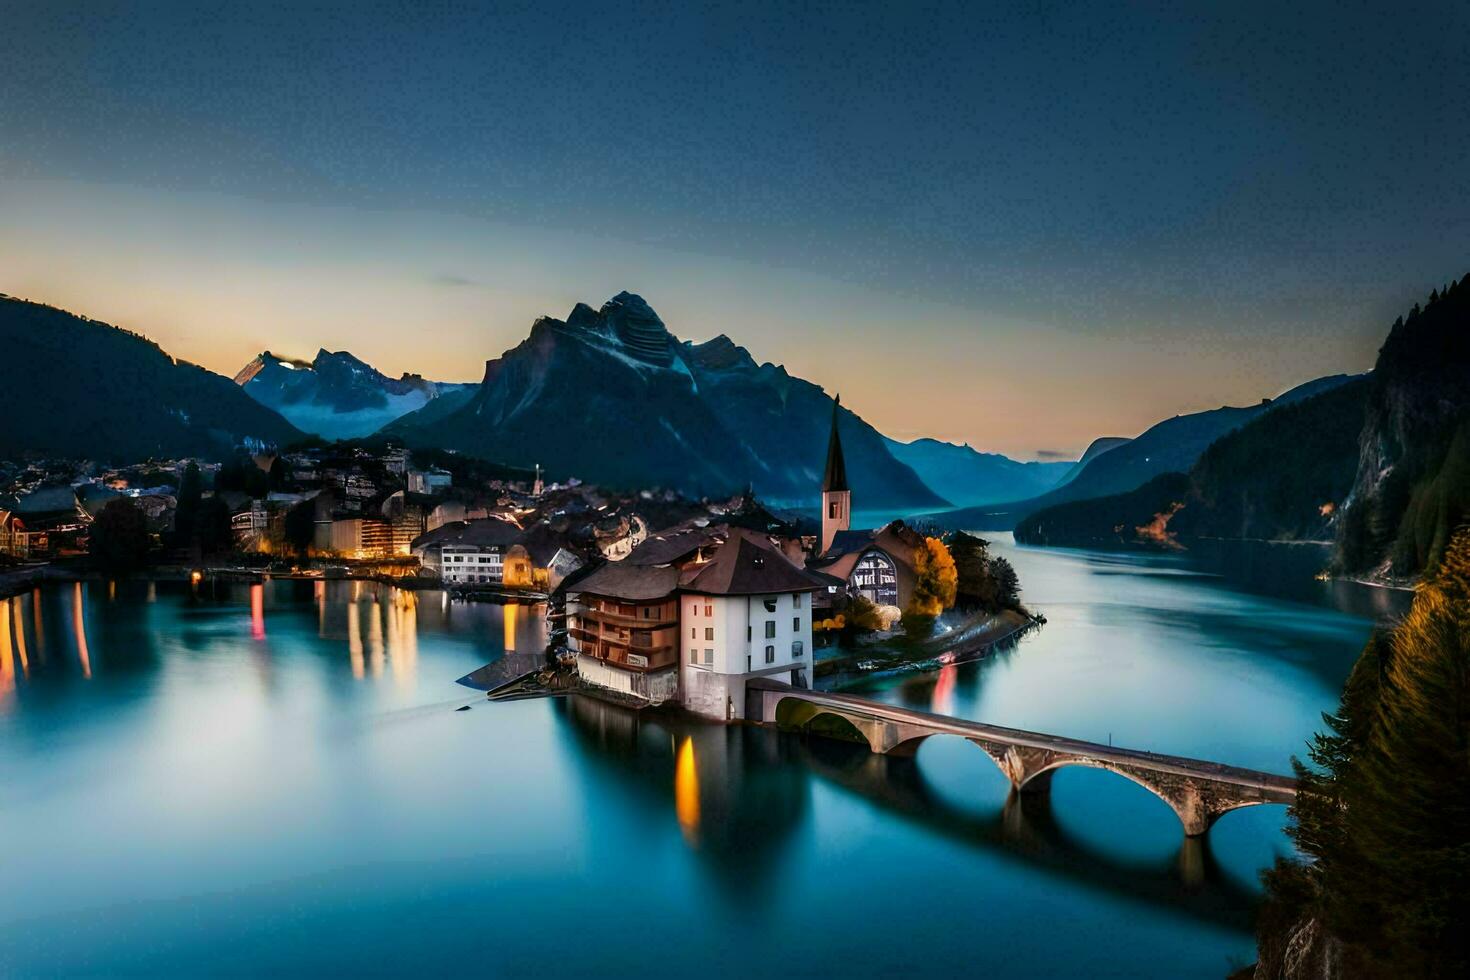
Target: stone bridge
[(1198, 792)]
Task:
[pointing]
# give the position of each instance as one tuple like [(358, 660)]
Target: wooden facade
[(639, 636)]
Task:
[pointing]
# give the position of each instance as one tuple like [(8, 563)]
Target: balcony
[(669, 619), (620, 655)]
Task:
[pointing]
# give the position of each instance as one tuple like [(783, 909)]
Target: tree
[(213, 526), (934, 586), (1006, 584), (300, 527), (1384, 810), (119, 536), (186, 511)]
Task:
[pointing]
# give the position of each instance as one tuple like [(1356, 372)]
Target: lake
[(274, 779)]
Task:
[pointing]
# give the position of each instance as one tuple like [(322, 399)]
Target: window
[(771, 604), (709, 658), (747, 663), (796, 600), (747, 634), (770, 629), (831, 509), (693, 656), (796, 625), (796, 648), (694, 609), (693, 633), (709, 632), (709, 610), (770, 655)]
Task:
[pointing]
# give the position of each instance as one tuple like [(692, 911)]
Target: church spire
[(835, 477)]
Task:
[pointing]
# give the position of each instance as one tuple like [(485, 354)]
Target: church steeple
[(836, 497), (835, 477)]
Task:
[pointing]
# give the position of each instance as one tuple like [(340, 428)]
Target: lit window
[(770, 655), (770, 629)]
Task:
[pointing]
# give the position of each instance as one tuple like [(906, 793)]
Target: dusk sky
[(1007, 226)]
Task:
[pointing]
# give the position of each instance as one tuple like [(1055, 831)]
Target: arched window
[(876, 577)]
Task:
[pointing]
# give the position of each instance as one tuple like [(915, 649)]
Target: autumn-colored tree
[(936, 581)]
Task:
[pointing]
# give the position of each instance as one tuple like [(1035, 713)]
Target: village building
[(691, 617), (876, 564), (491, 551)]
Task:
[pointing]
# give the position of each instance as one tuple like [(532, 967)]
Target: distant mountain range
[(336, 395), (967, 477), (1379, 465), (70, 386), (1243, 486), (609, 395), (1171, 446)]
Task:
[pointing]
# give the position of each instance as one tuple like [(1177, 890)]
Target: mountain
[(610, 395), (1171, 446), (1413, 476), (70, 386), (968, 477), (1098, 446), (1243, 486), (336, 395)]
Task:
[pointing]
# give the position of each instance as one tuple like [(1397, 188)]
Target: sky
[(1020, 226)]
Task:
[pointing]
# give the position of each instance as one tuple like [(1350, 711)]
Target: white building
[(471, 563), (693, 617)]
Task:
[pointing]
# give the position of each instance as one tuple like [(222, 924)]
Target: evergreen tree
[(1384, 812)]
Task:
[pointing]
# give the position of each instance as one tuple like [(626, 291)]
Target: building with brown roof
[(691, 616)]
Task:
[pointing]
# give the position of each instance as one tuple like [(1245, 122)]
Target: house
[(15, 540), (691, 617), (876, 564), (468, 552)]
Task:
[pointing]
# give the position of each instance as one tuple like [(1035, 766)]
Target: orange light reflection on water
[(942, 703), (257, 611), (686, 791), (80, 628)]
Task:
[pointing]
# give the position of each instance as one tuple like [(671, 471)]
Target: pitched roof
[(746, 564), (635, 583), (672, 546), (483, 533), (834, 478)]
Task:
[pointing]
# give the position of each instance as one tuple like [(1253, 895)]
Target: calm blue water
[(276, 781)]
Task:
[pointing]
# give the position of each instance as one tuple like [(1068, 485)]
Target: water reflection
[(79, 628), (736, 795), (686, 791), (1024, 828)]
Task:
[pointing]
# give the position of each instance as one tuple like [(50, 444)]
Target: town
[(652, 597)]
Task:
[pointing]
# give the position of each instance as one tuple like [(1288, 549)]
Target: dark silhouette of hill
[(70, 386)]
